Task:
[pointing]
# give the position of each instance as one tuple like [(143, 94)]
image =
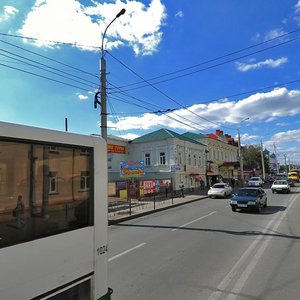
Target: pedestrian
[(202, 184), (19, 212), (181, 190), (232, 182), (167, 189)]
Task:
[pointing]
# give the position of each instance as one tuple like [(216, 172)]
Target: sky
[(184, 65)]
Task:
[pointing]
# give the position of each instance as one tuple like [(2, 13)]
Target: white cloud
[(82, 97), (258, 107), (71, 22), (129, 136), (272, 34), (297, 6), (179, 14), (271, 63), (282, 124), (9, 11)]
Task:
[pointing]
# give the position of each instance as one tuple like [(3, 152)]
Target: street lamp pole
[(103, 81), (241, 158)]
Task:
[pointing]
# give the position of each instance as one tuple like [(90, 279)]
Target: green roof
[(194, 136), (163, 134)]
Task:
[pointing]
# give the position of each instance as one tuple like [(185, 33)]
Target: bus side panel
[(34, 268), (100, 218)]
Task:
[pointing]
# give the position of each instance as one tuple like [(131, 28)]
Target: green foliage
[(252, 158)]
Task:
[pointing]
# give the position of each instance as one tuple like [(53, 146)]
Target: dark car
[(249, 199)]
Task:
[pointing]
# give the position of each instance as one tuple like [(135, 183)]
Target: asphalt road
[(203, 250)]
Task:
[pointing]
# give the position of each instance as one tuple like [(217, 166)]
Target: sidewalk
[(121, 211)]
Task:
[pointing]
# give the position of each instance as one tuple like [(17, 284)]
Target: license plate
[(242, 205)]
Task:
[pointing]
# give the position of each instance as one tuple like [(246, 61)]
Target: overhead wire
[(218, 58), (23, 60), (45, 77), (206, 68), (168, 116)]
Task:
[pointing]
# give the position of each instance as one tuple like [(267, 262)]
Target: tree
[(252, 158)]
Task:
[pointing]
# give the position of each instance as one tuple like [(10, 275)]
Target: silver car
[(221, 190), (255, 182)]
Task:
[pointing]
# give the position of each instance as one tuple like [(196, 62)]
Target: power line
[(206, 68), (217, 58), (163, 93), (170, 116), (51, 59), (45, 77), (36, 66)]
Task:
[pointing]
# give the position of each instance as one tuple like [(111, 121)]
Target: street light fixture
[(103, 82)]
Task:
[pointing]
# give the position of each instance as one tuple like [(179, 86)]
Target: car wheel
[(265, 205), (233, 208), (225, 195), (272, 191)]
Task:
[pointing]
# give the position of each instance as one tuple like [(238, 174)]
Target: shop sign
[(132, 169), (116, 149)]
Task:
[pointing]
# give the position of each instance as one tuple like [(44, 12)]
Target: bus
[(53, 215), (294, 175)]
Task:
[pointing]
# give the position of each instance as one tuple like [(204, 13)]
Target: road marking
[(193, 221), (239, 274), (127, 251)]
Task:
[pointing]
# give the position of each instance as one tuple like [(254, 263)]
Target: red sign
[(116, 149), (149, 186)]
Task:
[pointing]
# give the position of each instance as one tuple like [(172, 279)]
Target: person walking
[(202, 184), (19, 212), (181, 190)]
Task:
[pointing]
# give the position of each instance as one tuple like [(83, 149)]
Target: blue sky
[(186, 65)]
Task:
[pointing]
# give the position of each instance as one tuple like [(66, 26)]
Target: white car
[(281, 186), (220, 190), (255, 181)]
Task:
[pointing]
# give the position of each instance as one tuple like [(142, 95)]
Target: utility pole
[(262, 160), (240, 157), (103, 82), (286, 169), (276, 161)]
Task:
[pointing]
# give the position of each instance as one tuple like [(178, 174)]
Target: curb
[(134, 216)]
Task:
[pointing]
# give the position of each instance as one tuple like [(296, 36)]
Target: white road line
[(236, 271), (193, 221), (127, 251)]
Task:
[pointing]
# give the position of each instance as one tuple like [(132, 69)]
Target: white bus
[(53, 215)]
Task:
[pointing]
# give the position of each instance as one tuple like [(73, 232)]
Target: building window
[(162, 158), (147, 159), (195, 160), (85, 180), (53, 149), (179, 158), (199, 161), (52, 183), (189, 159)]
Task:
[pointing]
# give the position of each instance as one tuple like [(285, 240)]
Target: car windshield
[(254, 179), (219, 186), (280, 182), (247, 192)]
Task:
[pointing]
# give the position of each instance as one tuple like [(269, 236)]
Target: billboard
[(132, 169)]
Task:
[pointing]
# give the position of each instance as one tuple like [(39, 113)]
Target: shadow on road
[(231, 232)]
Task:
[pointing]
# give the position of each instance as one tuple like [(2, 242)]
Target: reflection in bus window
[(54, 188)]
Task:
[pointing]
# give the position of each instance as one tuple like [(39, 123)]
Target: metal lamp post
[(103, 81)]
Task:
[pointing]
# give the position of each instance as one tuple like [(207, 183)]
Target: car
[(281, 186), (220, 190), (255, 181), (249, 199), (284, 177)]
